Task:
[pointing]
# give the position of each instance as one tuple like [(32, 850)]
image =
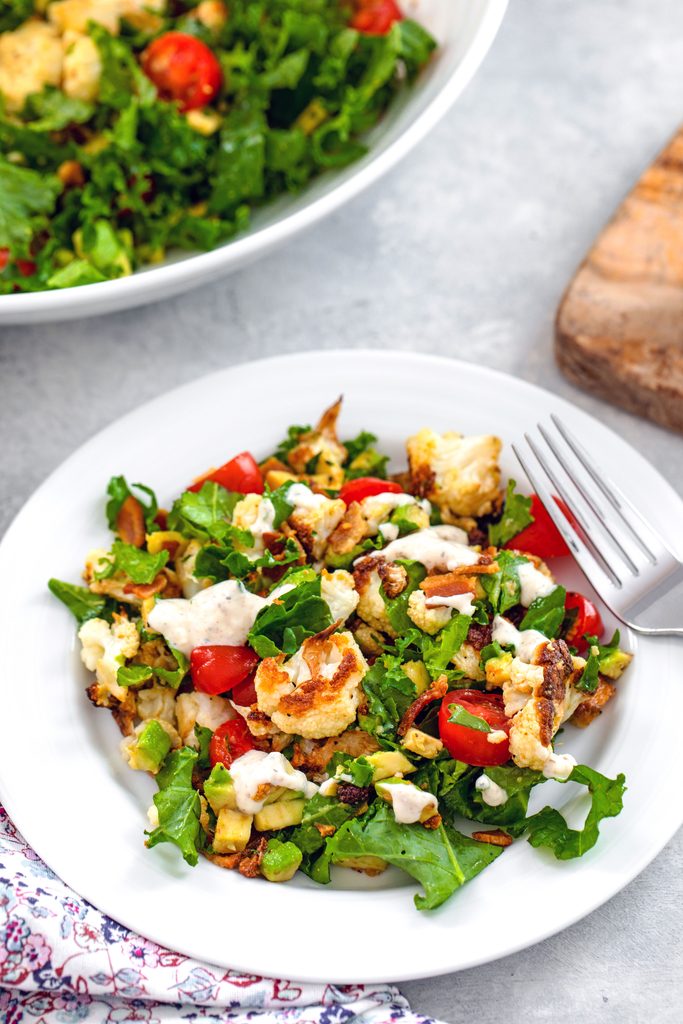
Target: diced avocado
[(280, 815), (367, 863), (150, 748), (614, 663), (233, 829), (219, 789), (386, 763), (418, 674), (280, 861), (422, 743), (410, 518)]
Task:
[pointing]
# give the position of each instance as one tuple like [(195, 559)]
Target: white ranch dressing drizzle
[(496, 736), (534, 583), (559, 766), (390, 500), (302, 496), (265, 520), (462, 602), (221, 614), (389, 531), (255, 769), (408, 802), (525, 641), (491, 793), (434, 547)]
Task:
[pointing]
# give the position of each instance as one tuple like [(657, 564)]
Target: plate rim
[(615, 883), (202, 268)]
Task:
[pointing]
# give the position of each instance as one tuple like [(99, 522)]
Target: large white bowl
[(464, 30)]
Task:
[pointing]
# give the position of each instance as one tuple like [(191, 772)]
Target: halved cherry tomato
[(244, 693), (230, 741), (240, 474), (183, 69), (542, 538), (587, 620), (470, 745), (25, 267), (375, 17), (366, 487), (217, 668)]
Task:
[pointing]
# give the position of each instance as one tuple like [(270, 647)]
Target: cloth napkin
[(62, 962)]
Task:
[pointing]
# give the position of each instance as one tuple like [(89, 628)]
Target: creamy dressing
[(329, 787), (525, 641), (221, 614), (409, 802), (491, 793), (264, 522), (255, 769), (302, 496), (461, 602), (435, 547), (389, 531), (388, 500), (534, 583), (496, 736), (559, 766)]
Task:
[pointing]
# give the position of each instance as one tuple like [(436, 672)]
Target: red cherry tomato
[(218, 668), (244, 693), (587, 620), (366, 487), (240, 474), (4, 259), (542, 538), (25, 267), (470, 745), (375, 17), (230, 741), (183, 69)]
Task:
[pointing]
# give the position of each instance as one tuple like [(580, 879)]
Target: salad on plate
[(325, 666), (129, 128)]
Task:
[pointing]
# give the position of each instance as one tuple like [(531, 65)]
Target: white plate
[(69, 792), (464, 30)]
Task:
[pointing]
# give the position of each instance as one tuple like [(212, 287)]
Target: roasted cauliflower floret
[(538, 698), (30, 58), (213, 14), (255, 514), (82, 68), (316, 692), (203, 709), (315, 524), (459, 474), (371, 607), (338, 591), (430, 620), (156, 702), (468, 661), (323, 446), (106, 648), (74, 15)]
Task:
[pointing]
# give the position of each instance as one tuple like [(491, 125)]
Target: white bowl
[(464, 30)]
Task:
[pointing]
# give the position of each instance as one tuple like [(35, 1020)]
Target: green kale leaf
[(389, 694), (516, 517), (81, 602), (118, 490), (546, 614), (503, 588), (26, 198), (178, 805), (437, 651), (300, 613), (205, 513)]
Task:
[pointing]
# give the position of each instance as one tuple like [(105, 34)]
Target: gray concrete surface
[(464, 250)]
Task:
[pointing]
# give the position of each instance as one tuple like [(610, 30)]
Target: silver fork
[(630, 566)]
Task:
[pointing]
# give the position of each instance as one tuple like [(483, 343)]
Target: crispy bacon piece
[(250, 860), (436, 691), (144, 590), (433, 822), (494, 837), (589, 709), (447, 584), (130, 522), (479, 636)]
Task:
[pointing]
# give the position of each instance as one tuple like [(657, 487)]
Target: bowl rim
[(153, 282)]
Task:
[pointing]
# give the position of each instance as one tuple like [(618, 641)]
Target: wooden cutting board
[(619, 327)]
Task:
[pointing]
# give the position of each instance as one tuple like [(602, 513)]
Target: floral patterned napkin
[(61, 960)]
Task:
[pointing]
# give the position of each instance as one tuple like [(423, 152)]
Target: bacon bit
[(144, 590), (130, 522), (326, 830), (447, 585), (479, 636), (496, 837), (250, 861), (433, 822), (435, 692), (224, 860)]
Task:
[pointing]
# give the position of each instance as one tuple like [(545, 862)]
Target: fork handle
[(654, 630)]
